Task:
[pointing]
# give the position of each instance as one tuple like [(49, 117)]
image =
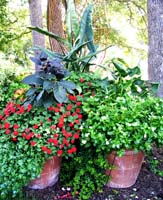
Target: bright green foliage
[(19, 164), (87, 176), (126, 122)]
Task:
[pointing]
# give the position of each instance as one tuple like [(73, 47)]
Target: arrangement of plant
[(47, 122)]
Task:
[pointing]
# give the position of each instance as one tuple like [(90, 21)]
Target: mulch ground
[(149, 186)]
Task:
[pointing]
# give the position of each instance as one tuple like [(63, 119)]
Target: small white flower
[(84, 141), (87, 134), (107, 142), (104, 117)]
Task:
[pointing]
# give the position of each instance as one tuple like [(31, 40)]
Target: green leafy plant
[(88, 174), (79, 41), (9, 83), (127, 122), (48, 85), (127, 79)]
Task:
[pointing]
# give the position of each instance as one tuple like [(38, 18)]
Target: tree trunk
[(36, 20), (155, 35), (54, 23)]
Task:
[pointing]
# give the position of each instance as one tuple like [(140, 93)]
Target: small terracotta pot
[(125, 169), (49, 175)]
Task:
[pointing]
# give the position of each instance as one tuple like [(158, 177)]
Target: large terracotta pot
[(49, 175), (125, 169)]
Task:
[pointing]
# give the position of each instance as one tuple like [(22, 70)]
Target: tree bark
[(36, 20), (155, 35), (54, 23)]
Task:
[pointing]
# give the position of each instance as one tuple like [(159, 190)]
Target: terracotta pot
[(125, 169), (49, 175)]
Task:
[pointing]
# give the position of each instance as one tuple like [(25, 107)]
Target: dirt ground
[(149, 186)]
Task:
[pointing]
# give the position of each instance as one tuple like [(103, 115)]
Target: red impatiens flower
[(59, 152), (72, 98), (15, 126), (77, 121), (55, 135), (53, 127), (21, 110), (78, 103), (50, 108), (16, 133), (35, 126), (7, 125), (59, 105), (72, 150), (81, 80), (74, 114), (65, 142), (76, 136), (14, 139), (43, 148), (68, 113), (8, 131), (78, 110), (23, 134), (55, 142), (50, 140), (27, 130), (80, 116), (69, 107), (48, 151), (71, 124), (27, 137), (29, 107), (33, 143), (56, 110)]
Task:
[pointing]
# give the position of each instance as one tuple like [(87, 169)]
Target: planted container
[(125, 169)]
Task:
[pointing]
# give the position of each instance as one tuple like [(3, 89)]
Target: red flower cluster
[(53, 130)]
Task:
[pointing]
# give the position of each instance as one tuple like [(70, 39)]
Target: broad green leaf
[(74, 50), (120, 68), (68, 84), (72, 25), (60, 94), (50, 34), (84, 22), (89, 33), (32, 80), (154, 87), (47, 85), (134, 71)]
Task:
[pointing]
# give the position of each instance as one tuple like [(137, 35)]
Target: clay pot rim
[(127, 152)]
